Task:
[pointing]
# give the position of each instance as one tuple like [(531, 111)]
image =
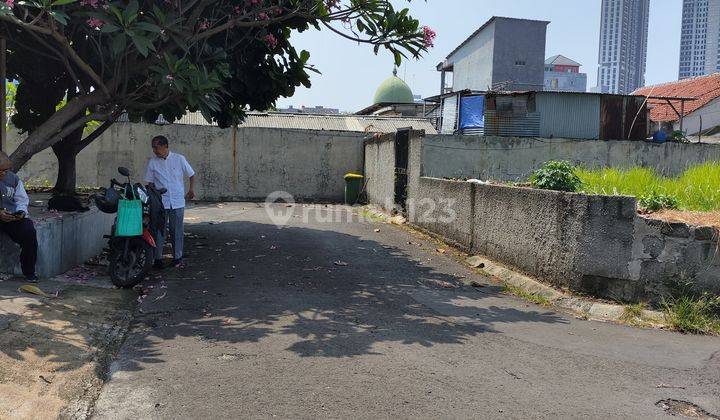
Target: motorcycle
[(131, 257)]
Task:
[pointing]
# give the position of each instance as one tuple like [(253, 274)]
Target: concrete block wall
[(63, 243), (515, 158), (242, 164), (665, 252), (380, 171), (589, 243)]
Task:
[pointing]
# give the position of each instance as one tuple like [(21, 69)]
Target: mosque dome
[(393, 90)]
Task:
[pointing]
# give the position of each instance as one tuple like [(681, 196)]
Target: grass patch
[(697, 189), (693, 314), (535, 298), (633, 315)]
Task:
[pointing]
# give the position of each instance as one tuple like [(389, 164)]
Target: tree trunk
[(66, 151), (47, 134)]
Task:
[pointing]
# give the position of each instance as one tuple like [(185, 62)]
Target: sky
[(351, 72)]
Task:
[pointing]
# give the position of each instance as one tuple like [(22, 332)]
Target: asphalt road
[(325, 318)]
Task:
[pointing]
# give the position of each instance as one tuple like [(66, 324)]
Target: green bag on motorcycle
[(129, 216)]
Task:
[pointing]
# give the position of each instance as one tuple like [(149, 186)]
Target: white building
[(699, 49), (623, 45)]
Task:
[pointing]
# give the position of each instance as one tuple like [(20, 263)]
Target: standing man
[(13, 217), (168, 170)]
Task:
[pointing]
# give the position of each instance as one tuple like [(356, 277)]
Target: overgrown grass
[(698, 188), (535, 298), (693, 314)]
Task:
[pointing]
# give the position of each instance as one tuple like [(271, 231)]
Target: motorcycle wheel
[(131, 270)]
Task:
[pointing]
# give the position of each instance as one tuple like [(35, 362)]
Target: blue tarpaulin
[(472, 112)]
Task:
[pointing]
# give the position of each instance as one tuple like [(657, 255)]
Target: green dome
[(393, 90)]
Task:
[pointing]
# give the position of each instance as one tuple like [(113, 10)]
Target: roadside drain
[(684, 409)]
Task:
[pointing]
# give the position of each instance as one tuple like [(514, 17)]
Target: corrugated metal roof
[(704, 88), (355, 123)]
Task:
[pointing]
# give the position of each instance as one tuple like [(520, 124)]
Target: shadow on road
[(329, 293)]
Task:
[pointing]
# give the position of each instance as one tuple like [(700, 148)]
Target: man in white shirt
[(168, 170), (13, 217)]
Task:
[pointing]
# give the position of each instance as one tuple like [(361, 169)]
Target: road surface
[(330, 318)]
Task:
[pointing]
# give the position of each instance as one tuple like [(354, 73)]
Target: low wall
[(63, 242), (667, 252), (380, 171), (515, 158), (242, 164), (589, 243)]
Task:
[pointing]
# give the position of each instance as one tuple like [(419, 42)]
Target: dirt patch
[(695, 218), (54, 351)]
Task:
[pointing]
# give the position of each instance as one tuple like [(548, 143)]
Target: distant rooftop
[(561, 60), (704, 88)]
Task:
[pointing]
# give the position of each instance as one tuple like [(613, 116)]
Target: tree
[(79, 61)]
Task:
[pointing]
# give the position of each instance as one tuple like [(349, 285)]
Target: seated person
[(13, 217)]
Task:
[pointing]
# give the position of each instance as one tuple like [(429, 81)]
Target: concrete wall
[(379, 171), (509, 159), (589, 243), (565, 81), (665, 252), (246, 164), (517, 40), (473, 62), (63, 242)]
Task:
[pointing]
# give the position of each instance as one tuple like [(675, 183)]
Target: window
[(519, 62)]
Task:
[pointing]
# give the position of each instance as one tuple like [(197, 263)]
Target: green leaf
[(59, 16), (149, 27), (62, 2), (109, 28), (398, 57), (304, 56), (131, 9)]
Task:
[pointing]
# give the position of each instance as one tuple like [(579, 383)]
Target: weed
[(653, 202), (693, 314), (535, 298), (698, 188), (558, 175)]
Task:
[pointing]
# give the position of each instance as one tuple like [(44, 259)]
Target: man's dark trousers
[(23, 233)]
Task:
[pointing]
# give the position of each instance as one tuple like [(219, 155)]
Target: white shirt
[(170, 173)]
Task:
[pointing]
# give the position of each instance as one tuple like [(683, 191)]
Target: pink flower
[(204, 25), (169, 77), (262, 16), (270, 40), (10, 3), (95, 23), (428, 37), (91, 3)]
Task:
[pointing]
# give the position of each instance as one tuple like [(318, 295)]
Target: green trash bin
[(353, 187)]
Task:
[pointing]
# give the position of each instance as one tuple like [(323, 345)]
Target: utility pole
[(3, 93)]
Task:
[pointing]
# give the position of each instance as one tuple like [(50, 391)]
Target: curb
[(581, 307)]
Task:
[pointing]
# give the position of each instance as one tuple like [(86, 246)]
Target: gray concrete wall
[(589, 243), (63, 242), (379, 171), (519, 41), (664, 252), (515, 158), (473, 62), (244, 165)]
